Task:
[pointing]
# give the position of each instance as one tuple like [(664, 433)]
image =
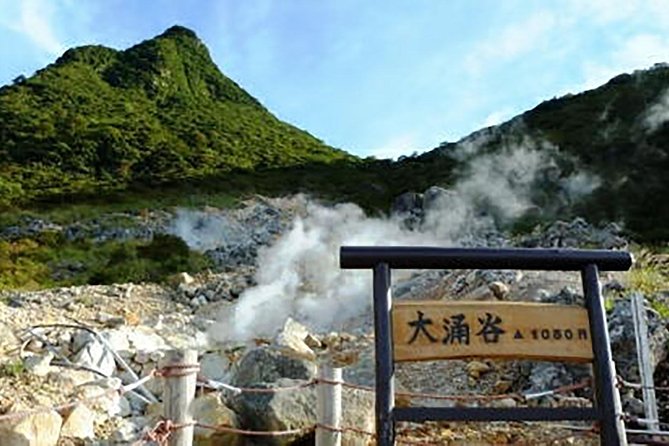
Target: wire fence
[(161, 431)]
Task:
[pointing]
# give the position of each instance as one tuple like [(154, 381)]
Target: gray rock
[(566, 296), (550, 375), (130, 430), (267, 365), (576, 234), (407, 203), (96, 356), (215, 366), (435, 197)]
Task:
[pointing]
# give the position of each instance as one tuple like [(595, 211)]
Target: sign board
[(406, 331), (424, 330)]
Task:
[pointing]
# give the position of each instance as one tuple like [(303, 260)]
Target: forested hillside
[(161, 111)]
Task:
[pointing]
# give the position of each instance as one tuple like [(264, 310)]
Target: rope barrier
[(61, 407), (648, 432), (237, 390), (161, 432), (629, 417), (520, 397), (622, 383), (233, 430), (345, 430), (182, 370), (562, 389)]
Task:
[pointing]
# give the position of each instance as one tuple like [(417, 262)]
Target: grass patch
[(12, 369), (49, 261), (650, 276)]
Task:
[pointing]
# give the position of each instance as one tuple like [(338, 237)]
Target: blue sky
[(373, 77)]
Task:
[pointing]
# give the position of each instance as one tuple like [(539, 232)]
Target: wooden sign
[(424, 330)]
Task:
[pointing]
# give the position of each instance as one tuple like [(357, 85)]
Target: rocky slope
[(50, 343)]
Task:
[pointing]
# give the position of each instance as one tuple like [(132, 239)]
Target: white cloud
[(33, 18), (638, 52), (395, 147), (497, 117), (605, 11), (516, 39)]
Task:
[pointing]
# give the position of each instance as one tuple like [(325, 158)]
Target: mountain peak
[(179, 32)]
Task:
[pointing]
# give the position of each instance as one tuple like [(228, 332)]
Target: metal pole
[(612, 429), (383, 343), (328, 406), (645, 363), (178, 394)]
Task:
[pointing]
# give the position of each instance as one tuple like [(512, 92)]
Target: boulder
[(79, 423), (96, 356), (38, 429), (288, 410), (214, 366), (267, 364), (103, 401), (291, 340), (209, 409)]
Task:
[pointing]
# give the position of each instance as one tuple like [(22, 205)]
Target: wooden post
[(178, 394), (328, 406), (645, 363)]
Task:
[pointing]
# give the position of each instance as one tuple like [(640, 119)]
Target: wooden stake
[(645, 362), (178, 394), (328, 407)]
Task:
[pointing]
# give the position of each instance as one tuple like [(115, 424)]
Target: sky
[(380, 78)]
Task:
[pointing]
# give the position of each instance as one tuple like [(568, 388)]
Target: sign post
[(434, 330)]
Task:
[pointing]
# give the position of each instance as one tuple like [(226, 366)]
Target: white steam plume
[(657, 113), (299, 275)]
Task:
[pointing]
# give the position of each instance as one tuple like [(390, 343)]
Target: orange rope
[(233, 430), (185, 370)]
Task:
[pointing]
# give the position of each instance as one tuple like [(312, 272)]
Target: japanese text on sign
[(439, 329)]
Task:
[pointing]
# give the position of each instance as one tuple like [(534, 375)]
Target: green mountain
[(99, 122), (617, 133), (99, 119)]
